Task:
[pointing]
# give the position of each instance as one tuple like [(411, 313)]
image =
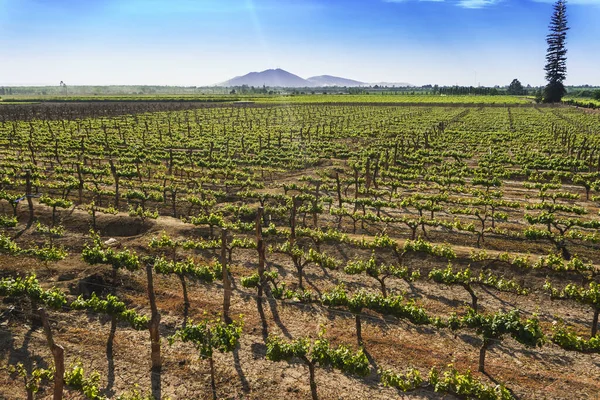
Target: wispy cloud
[(477, 3), (463, 3)]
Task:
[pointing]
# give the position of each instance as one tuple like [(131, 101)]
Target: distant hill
[(281, 78), (328, 80), (271, 77)]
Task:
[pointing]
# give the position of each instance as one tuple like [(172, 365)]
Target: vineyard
[(378, 98), (332, 250)]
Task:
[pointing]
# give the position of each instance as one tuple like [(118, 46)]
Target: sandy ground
[(543, 373)]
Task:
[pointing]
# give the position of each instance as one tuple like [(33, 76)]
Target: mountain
[(271, 77), (280, 78), (328, 80)]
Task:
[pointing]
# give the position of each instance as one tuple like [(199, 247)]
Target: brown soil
[(543, 373)]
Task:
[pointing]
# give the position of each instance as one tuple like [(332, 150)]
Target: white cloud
[(477, 3), (462, 3)]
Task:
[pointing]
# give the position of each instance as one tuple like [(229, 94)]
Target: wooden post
[(113, 171), (213, 385), (154, 322), (358, 330), (482, 352), (58, 352), (28, 195), (356, 185), (80, 184), (376, 171), (226, 281), (595, 321), (260, 246), (313, 383), (368, 173), (293, 221), (338, 187), (316, 204)]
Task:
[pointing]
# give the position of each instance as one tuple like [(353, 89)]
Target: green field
[(400, 99), (582, 100), (300, 99)]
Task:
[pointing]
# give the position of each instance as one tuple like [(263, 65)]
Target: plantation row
[(229, 158), (209, 335)]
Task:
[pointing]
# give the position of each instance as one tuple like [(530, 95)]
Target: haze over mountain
[(328, 80), (269, 77), (281, 78)]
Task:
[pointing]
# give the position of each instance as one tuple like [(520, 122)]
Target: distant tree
[(64, 85), (539, 96), (597, 95), (556, 56), (515, 87)]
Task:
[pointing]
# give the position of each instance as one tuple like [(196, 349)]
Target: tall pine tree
[(556, 56)]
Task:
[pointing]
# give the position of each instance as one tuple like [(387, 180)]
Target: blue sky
[(202, 42)]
